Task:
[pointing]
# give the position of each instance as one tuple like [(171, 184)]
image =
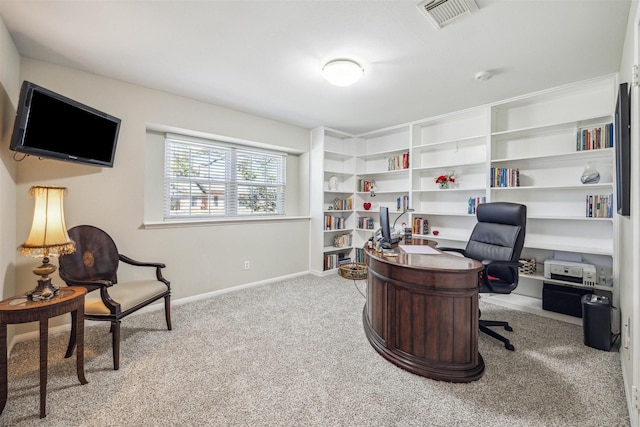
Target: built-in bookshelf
[(533, 150)]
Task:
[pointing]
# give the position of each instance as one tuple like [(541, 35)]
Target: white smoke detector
[(443, 12), (483, 76)]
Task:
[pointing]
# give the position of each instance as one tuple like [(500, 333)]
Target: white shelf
[(377, 192), (481, 163), (541, 278), (462, 214), (342, 174), (553, 127), (585, 155), (527, 304), (334, 155), (331, 249), (384, 154), (337, 192), (567, 218), (475, 138), (603, 185), (450, 190), (381, 173), (344, 230)]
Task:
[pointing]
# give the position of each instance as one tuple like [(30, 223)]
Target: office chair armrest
[(487, 263)]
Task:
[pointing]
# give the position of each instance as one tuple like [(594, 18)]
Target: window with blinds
[(217, 179)]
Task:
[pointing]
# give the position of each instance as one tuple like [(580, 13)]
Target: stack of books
[(599, 206), (505, 177)]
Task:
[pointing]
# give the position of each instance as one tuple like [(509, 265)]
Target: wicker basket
[(353, 270), (528, 266)]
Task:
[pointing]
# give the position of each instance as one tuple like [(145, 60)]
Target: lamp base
[(44, 291)]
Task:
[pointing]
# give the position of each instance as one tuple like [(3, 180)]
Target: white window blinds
[(221, 180)]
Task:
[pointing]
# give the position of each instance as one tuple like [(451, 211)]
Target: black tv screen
[(53, 126), (623, 151)]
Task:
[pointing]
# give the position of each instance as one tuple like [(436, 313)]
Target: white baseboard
[(198, 297)]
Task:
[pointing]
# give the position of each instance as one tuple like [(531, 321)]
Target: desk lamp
[(48, 237)]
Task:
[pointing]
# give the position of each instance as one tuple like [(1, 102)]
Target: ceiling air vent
[(443, 12)]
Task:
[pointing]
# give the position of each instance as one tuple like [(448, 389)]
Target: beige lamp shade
[(48, 234)]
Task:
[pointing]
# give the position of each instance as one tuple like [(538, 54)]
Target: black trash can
[(596, 321)]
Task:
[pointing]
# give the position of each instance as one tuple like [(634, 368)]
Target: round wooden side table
[(19, 309)]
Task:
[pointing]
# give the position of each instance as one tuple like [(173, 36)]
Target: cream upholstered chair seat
[(94, 266), (128, 295)]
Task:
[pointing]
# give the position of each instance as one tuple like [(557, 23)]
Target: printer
[(569, 271)]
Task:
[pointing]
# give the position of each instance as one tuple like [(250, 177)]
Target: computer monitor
[(384, 225), (387, 240)]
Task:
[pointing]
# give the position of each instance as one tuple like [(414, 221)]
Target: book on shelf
[(333, 222), (399, 162), (364, 185), (402, 203), (595, 138), (342, 204), (332, 261), (505, 177), (342, 240), (599, 205), (359, 255), (419, 225), (366, 223), (474, 202)]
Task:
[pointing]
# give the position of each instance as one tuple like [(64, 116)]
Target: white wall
[(9, 81), (628, 255), (199, 259)]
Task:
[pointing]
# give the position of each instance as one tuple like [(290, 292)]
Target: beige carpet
[(294, 353)]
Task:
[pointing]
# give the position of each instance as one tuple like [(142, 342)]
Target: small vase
[(444, 185), (333, 183)]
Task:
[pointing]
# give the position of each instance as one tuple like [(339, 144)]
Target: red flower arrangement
[(445, 178)]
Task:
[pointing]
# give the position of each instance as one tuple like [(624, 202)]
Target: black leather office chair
[(497, 241)]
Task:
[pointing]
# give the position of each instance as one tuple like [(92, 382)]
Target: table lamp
[(48, 237)]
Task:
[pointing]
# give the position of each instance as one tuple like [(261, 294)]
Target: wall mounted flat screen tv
[(53, 126), (623, 151)]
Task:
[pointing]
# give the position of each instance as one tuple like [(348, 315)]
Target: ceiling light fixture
[(342, 72)]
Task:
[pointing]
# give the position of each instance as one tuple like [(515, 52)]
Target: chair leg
[(167, 310), (115, 338), (484, 324)]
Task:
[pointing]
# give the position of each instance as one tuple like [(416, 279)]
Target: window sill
[(182, 223)]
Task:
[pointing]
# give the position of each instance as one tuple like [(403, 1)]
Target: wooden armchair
[(94, 266)]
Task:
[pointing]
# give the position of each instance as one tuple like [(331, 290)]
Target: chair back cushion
[(498, 236), (96, 256)]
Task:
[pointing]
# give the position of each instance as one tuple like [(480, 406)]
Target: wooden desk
[(19, 309), (421, 313)]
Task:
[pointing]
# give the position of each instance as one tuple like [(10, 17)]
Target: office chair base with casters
[(484, 327)]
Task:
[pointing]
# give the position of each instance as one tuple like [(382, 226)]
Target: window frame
[(229, 152)]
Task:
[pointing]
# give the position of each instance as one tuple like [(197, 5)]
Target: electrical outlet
[(247, 265)]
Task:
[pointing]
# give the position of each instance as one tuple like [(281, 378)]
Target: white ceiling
[(264, 57)]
